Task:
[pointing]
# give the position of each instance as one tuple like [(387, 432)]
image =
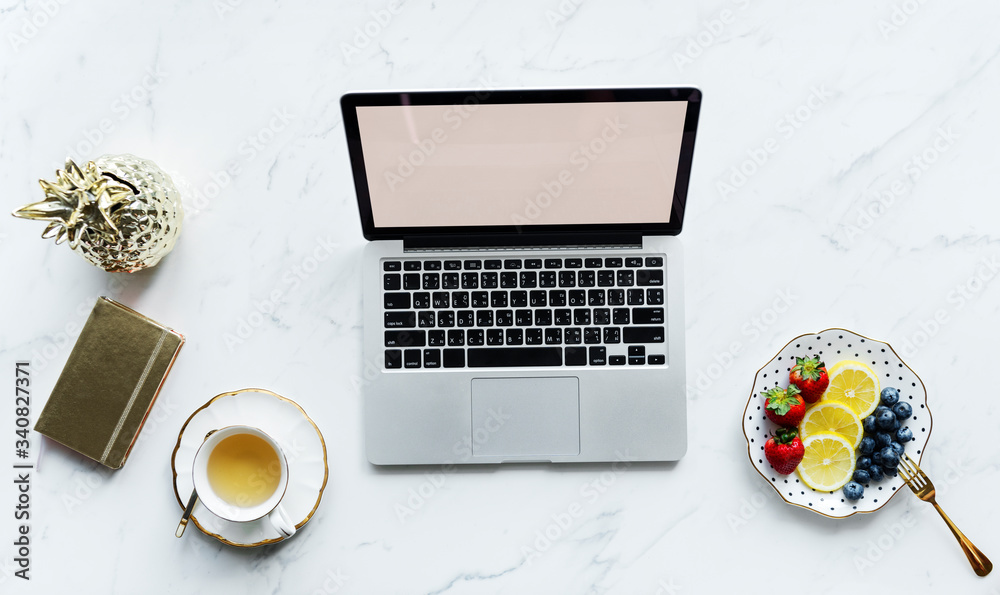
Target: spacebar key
[(505, 357)]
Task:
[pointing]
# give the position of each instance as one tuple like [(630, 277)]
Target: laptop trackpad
[(525, 416)]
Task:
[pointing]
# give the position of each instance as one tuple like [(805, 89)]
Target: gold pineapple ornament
[(120, 212)]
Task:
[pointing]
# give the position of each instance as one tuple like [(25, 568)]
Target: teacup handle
[(279, 520)]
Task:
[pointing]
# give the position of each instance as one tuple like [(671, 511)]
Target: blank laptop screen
[(521, 164)]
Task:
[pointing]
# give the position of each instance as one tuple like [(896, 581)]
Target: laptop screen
[(484, 163)]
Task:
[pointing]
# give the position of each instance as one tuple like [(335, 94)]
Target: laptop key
[(533, 336), (505, 318), (466, 318), (393, 358), (550, 263), (470, 280), (567, 279), (493, 265), (573, 336), (454, 358), (475, 336), (439, 299), (486, 357), (656, 359), (489, 281), (547, 279), (519, 299), (592, 263), (598, 356), (432, 358), (405, 338), (633, 262), (432, 280), (647, 315), (654, 261), (529, 279), (392, 265), (411, 358), (635, 297), (537, 298), (617, 360), (421, 299), (494, 336), (576, 356), (397, 301), (557, 297), (400, 319), (484, 318), (649, 277), (564, 317), (654, 296), (435, 338), (512, 263), (453, 265), (426, 318), (602, 316), (613, 263), (449, 281), (577, 297), (587, 278), (553, 336), (626, 278), (616, 297), (456, 338), (643, 334), (620, 316), (411, 265), (411, 281), (595, 297), (591, 335), (533, 263), (574, 263), (392, 282), (515, 336), (460, 299), (446, 319), (432, 265), (498, 299), (605, 278), (480, 299), (473, 265), (543, 317), (508, 280), (612, 335), (581, 316), (522, 317)]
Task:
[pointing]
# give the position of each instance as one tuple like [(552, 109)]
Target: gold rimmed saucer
[(290, 426)]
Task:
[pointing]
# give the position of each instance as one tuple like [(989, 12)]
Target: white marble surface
[(240, 100)]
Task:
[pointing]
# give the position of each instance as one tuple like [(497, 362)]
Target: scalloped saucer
[(289, 425), (834, 345)]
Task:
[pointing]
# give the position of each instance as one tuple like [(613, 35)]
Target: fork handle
[(980, 563)]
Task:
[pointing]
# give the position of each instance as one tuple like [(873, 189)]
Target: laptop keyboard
[(497, 313)]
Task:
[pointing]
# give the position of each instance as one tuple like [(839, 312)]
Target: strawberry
[(784, 406), (810, 377), (784, 450)]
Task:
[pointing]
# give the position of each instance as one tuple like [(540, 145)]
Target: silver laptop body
[(523, 288)]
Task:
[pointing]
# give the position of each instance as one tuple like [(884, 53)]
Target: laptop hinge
[(534, 241)]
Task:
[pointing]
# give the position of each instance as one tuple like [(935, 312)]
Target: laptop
[(523, 285)]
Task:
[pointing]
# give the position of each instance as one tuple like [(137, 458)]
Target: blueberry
[(897, 424), (891, 472), (861, 476), (867, 445), (882, 439), (902, 410), (880, 409), (877, 459), (876, 473), (897, 448), (889, 458), (869, 424), (886, 419), (864, 462), (853, 490), (904, 435), (890, 396)]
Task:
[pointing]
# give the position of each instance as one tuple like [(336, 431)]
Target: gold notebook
[(109, 383)]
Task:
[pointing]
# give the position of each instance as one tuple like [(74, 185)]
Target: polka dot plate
[(834, 345)]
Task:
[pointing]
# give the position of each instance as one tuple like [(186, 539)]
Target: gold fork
[(924, 489)]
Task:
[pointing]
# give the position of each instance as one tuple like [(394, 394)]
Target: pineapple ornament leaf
[(120, 212)]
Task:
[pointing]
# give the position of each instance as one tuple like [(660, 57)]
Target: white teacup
[(244, 499)]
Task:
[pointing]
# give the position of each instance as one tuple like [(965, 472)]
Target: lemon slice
[(832, 416), (828, 462), (854, 384)]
